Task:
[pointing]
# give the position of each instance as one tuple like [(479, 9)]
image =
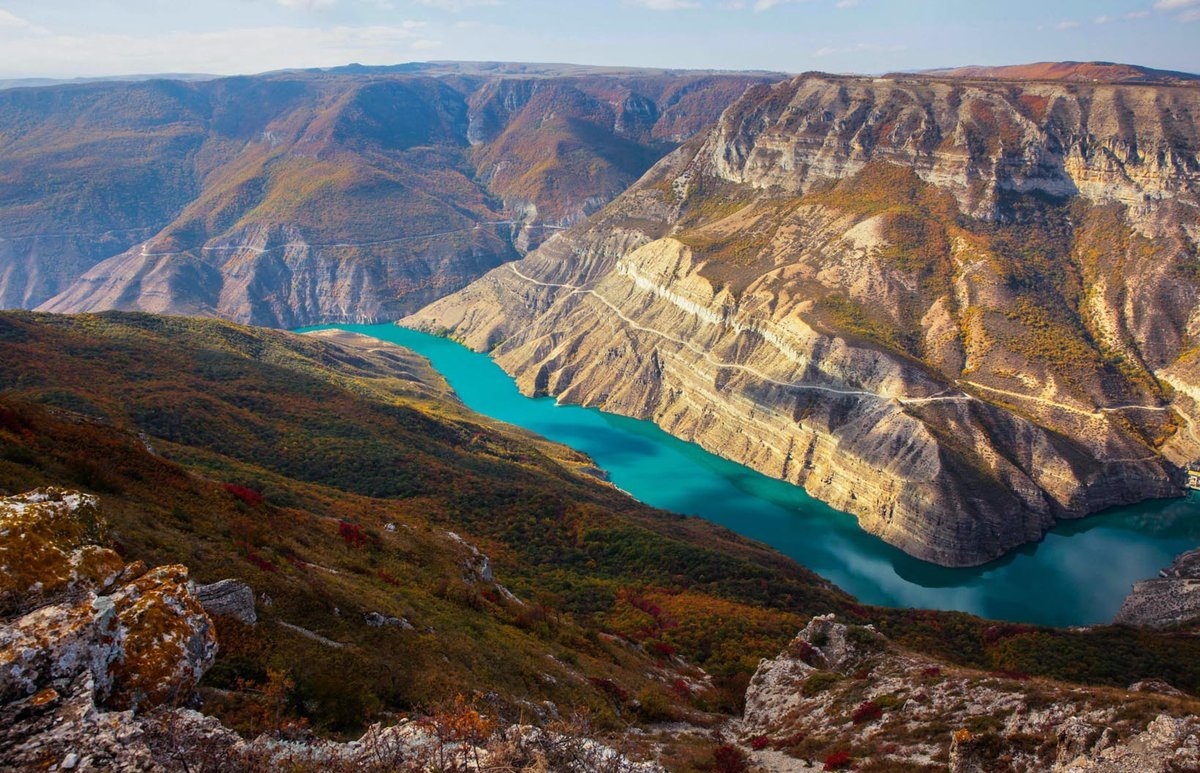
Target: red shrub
[(839, 760), (388, 577), (612, 688), (352, 534), (10, 421), (661, 649), (262, 563), (247, 495), (680, 688), (931, 671), (730, 759), (867, 711), (759, 742)]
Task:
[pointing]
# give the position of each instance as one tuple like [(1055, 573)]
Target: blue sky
[(61, 38)]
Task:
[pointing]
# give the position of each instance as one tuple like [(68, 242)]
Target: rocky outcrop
[(959, 311), (85, 639), (1170, 599), (842, 687), (76, 610), (231, 598), (98, 657)]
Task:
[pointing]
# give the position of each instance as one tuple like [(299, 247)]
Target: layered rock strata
[(960, 312), (287, 199)]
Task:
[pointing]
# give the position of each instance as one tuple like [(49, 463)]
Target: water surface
[(1077, 575)]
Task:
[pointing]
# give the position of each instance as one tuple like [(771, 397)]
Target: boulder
[(73, 609), (231, 598)]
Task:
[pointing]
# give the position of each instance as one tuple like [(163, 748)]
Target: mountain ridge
[(293, 198), (1093, 72), (898, 294)]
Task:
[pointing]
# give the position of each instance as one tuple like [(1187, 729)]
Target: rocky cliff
[(293, 198), (959, 311), (844, 697), (1172, 598)]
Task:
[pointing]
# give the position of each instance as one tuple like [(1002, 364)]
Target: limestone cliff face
[(958, 311), (278, 277), (1132, 145)]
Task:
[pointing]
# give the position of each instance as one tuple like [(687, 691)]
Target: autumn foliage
[(245, 494)]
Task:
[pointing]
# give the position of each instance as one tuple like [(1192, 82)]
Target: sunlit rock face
[(960, 311)]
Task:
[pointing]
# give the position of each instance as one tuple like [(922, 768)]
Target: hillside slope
[(291, 198), (329, 472), (403, 551), (959, 311)]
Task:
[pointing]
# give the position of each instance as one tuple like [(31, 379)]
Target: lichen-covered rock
[(167, 640), (852, 689), (140, 637), (47, 545), (1168, 744), (59, 641)]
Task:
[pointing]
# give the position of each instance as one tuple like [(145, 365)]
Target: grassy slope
[(332, 435)]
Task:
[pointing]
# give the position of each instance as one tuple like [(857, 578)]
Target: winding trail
[(1095, 413)]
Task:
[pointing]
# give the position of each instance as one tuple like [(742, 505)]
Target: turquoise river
[(1077, 575)]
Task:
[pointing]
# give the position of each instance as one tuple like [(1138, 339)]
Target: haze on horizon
[(71, 38)]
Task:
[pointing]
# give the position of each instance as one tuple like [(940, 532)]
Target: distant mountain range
[(1092, 72), (294, 197), (15, 83)]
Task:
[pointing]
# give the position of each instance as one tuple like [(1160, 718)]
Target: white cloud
[(847, 4), (1192, 15), (1171, 5), (1103, 19), (9, 19), (665, 5), (1068, 24), (457, 6), (245, 50), (766, 5), (306, 5)]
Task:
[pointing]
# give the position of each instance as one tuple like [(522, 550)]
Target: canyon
[(959, 305), (351, 194), (960, 310)]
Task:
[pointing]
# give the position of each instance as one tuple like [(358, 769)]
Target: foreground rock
[(98, 657), (958, 311), (85, 639), (843, 692), (1171, 599)]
